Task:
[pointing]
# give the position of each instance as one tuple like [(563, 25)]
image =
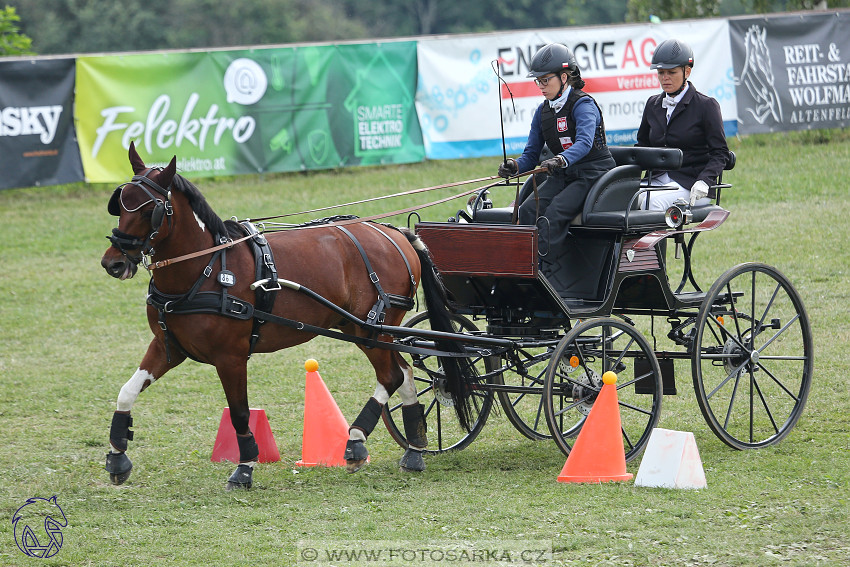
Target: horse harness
[(162, 210), (266, 286)]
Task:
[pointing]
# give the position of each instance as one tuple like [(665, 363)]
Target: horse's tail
[(460, 374)]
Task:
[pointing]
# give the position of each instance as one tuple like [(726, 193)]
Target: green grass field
[(71, 337)]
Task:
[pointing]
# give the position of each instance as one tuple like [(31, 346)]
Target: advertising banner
[(37, 144), (250, 111), (793, 72), (458, 97)]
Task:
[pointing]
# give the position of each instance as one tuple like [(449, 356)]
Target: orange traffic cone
[(325, 428), (598, 454), (226, 447)]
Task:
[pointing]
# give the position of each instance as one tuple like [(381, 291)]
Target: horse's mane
[(201, 208)]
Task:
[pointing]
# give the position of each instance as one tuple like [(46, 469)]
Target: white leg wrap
[(355, 434), (407, 391), (130, 391)]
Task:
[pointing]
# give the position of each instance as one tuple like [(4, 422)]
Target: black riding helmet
[(553, 58), (672, 53)]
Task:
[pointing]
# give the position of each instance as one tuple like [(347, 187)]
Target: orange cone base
[(325, 428), (227, 449), (598, 454), (593, 478)]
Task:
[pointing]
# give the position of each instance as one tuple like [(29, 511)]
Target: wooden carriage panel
[(633, 259), (480, 249)]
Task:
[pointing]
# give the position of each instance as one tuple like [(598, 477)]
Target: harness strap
[(184, 303), (265, 271), (403, 257), (376, 314)]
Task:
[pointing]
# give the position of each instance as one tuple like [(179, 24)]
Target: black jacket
[(696, 128)]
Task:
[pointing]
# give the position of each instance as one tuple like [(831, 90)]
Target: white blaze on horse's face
[(200, 222)]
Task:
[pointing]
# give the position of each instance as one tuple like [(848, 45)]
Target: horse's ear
[(135, 161), (168, 173)]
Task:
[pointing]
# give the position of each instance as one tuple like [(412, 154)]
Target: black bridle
[(126, 243)]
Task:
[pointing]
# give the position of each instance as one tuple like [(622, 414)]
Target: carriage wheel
[(525, 409), (444, 431), (574, 379), (752, 356)]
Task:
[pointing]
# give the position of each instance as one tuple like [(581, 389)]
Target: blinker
[(114, 206)]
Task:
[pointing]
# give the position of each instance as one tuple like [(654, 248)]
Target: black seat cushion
[(647, 158), (500, 215)]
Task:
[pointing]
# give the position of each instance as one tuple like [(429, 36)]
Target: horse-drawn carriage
[(747, 337), (503, 331)]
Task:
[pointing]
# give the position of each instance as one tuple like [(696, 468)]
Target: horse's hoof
[(241, 479), (118, 465), (355, 456), (354, 466), (412, 461)]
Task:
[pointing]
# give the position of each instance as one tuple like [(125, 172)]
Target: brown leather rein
[(163, 263)]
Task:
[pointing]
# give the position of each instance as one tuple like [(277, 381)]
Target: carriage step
[(691, 298)]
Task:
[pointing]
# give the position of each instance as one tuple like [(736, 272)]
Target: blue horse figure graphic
[(26, 522)]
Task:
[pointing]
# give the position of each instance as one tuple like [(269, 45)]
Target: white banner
[(458, 98)]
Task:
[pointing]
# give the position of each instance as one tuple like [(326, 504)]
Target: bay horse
[(208, 300)]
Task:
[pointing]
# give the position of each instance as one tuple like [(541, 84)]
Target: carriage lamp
[(477, 201), (678, 214)]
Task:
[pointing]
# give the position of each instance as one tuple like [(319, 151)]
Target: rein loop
[(355, 220)]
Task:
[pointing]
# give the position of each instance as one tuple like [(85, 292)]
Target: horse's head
[(143, 207)]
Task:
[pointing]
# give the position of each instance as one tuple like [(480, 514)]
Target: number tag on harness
[(226, 278)]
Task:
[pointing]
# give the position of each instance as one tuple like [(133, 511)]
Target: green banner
[(249, 111)]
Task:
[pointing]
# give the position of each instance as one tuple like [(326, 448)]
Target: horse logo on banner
[(757, 77)]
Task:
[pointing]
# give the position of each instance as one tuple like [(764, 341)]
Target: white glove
[(698, 191)]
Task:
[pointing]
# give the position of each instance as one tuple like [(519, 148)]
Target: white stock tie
[(670, 104)]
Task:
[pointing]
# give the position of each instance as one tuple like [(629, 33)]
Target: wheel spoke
[(573, 405), (725, 332), (764, 404), (778, 382), (626, 438), (732, 397), (634, 408), (538, 413), (734, 309), (769, 303), (735, 372), (779, 332), (622, 354), (753, 309)]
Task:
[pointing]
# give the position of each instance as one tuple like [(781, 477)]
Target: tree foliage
[(12, 42), (95, 26), (641, 10)]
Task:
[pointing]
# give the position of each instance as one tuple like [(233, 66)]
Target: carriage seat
[(611, 195)]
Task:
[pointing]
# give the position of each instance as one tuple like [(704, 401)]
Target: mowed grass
[(71, 337)]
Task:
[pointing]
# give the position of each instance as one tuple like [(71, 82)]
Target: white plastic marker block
[(671, 460)]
